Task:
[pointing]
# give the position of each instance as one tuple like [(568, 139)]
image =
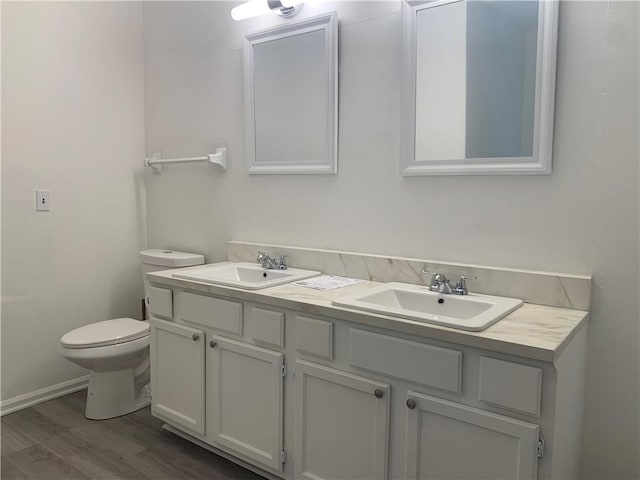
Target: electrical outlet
[(43, 201)]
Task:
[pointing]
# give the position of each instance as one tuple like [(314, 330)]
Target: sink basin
[(246, 275), (473, 312)]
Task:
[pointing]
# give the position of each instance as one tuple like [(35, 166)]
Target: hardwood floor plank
[(13, 440), (203, 465), (77, 400), (95, 463), (41, 464), (54, 441), (8, 471), (33, 424), (62, 413), (129, 422), (163, 440), (109, 439), (155, 464), (189, 458), (144, 417)]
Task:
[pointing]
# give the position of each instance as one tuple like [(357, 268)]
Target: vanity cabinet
[(447, 440), (177, 374), (222, 391), (341, 423), (244, 405), (295, 395)]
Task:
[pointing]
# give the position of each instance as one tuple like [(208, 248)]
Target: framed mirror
[(478, 86), (291, 97)]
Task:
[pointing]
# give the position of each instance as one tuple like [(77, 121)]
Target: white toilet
[(117, 351)]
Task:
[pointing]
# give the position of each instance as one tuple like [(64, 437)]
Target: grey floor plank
[(156, 464), (133, 420), (11, 472), (77, 400), (33, 424), (62, 413), (41, 464), (54, 441), (163, 440), (190, 460), (92, 461), (109, 439), (13, 440)]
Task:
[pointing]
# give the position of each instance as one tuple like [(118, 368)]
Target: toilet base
[(115, 393)]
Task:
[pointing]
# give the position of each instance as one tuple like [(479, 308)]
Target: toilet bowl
[(117, 354), (116, 351)]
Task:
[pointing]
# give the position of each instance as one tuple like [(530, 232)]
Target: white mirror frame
[(537, 164), (329, 24)]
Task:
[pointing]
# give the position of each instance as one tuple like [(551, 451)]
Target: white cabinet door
[(244, 399), (341, 424), (446, 440), (177, 374)]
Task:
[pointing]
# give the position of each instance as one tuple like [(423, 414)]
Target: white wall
[(582, 219), (73, 123)]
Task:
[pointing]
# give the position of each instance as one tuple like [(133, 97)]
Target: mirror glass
[(479, 78), (291, 98)]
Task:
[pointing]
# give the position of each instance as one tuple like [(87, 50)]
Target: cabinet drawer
[(224, 315), (416, 362), (264, 325), (510, 385), (160, 302), (314, 337)]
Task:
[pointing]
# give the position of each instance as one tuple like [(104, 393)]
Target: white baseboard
[(42, 395)]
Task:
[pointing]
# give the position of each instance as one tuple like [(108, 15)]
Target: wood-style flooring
[(54, 441)]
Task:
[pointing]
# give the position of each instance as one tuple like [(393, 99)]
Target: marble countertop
[(533, 331)]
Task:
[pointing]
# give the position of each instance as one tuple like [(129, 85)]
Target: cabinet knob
[(195, 337), (212, 344), (411, 404), (378, 393)]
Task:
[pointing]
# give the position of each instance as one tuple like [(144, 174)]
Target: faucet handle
[(425, 272), (282, 262), (265, 260), (461, 285), (439, 282), (434, 275)]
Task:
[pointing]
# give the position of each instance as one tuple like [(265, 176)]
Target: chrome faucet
[(269, 263), (441, 284), (266, 261)]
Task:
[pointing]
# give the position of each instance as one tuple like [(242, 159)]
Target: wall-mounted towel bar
[(219, 158)]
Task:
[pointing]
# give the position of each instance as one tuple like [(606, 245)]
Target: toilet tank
[(156, 259)]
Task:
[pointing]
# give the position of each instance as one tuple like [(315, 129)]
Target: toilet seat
[(107, 332)]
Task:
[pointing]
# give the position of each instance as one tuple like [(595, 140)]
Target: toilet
[(116, 351)]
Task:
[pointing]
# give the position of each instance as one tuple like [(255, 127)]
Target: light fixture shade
[(253, 8), (290, 3), (249, 9)]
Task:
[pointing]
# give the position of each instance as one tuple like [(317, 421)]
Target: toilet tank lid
[(170, 258)]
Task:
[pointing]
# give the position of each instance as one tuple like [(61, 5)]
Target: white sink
[(246, 275), (415, 302)]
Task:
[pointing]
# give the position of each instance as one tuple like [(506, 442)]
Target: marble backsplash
[(542, 288)]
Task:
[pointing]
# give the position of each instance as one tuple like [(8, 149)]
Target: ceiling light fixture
[(253, 8)]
